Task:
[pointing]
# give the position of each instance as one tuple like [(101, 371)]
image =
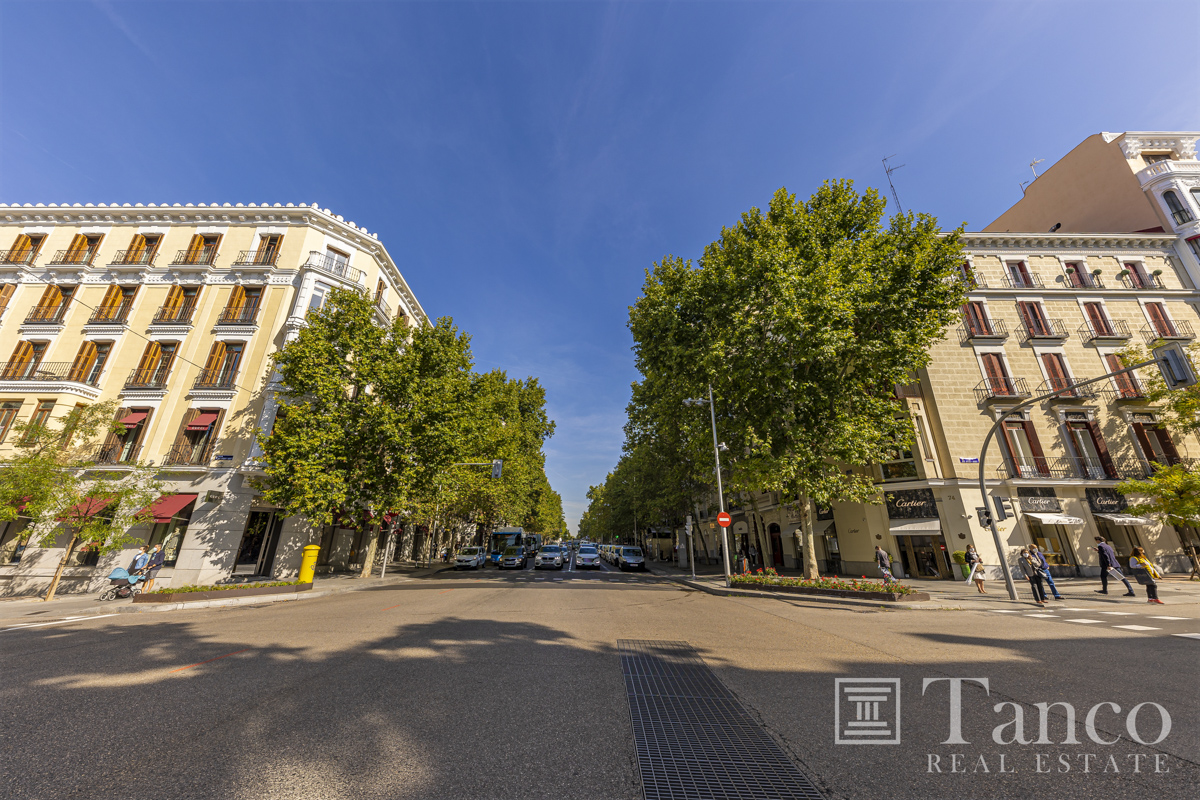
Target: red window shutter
[(1039, 457), (1158, 318), (1102, 449), (1164, 439)]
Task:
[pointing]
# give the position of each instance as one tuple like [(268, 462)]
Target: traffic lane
[(350, 695)]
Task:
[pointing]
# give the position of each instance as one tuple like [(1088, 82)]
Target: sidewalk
[(28, 609), (1178, 592)]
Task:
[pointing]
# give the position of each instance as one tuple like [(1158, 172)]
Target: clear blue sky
[(525, 162)]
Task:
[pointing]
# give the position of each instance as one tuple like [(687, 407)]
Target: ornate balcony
[(177, 315), (48, 315), (115, 454), (203, 256), (337, 267), (1118, 393), (220, 378), (134, 258), (1014, 282), (995, 388), (1111, 330), (47, 371), (245, 315), (19, 258), (148, 378), (1168, 330), (81, 258), (1144, 468), (993, 329), (189, 455), (1059, 385), (117, 314), (1043, 330), (257, 258), (1131, 280)]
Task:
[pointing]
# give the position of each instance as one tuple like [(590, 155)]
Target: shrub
[(222, 587), (852, 585)]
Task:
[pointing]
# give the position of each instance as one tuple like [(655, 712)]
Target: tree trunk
[(810, 541), (61, 566), (372, 549)]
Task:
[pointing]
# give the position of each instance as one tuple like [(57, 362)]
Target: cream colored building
[(174, 312)]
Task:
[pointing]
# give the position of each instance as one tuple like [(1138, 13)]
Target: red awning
[(203, 422), (89, 507), (131, 420), (166, 507)]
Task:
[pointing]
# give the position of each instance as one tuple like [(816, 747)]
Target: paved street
[(496, 684)]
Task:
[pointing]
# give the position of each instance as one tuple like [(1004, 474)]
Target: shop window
[(170, 535), (1052, 540), (13, 539)]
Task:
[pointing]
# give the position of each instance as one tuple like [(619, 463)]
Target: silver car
[(630, 558), (470, 558), (514, 558), (550, 556), (588, 556)]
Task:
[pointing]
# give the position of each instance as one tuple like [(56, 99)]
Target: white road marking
[(1137, 628), (1085, 621), (1120, 613), (1187, 635), (58, 622), (1003, 611), (1043, 616), (1172, 618)]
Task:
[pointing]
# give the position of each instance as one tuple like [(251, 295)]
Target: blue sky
[(525, 162)]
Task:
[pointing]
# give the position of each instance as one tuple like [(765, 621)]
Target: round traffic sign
[(723, 519)]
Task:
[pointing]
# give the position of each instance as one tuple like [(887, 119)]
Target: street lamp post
[(712, 411)]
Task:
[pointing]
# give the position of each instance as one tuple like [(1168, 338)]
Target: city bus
[(502, 538)]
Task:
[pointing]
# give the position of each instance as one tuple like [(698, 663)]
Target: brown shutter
[(215, 357), (1125, 385), (1035, 447), (1164, 439), (84, 359), (150, 358), (195, 248), (993, 367), (137, 248), (977, 321), (174, 299), (1055, 370), (237, 300), (79, 246), (21, 248), (6, 293), (114, 439), (142, 432), (213, 433), (1139, 433), (22, 355), (1102, 449), (51, 298), (1158, 318), (111, 304), (1097, 318), (181, 446)]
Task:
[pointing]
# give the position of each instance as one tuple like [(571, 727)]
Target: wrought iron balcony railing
[(1132, 280), (971, 282), (1181, 216), (48, 371), (244, 315), (1122, 392), (990, 388), (334, 266), (187, 454), (175, 315), (1145, 467), (257, 258), (74, 257), (220, 378), (117, 314), (142, 258), (22, 258), (116, 454), (972, 330), (1019, 282), (1060, 384), (1084, 280), (1113, 329), (47, 315), (148, 377), (202, 255), (1043, 329), (1168, 329)]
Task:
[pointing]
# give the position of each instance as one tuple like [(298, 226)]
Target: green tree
[(1171, 493), (802, 319), (52, 480)]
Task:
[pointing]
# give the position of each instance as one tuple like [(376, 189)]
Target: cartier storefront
[(914, 522)]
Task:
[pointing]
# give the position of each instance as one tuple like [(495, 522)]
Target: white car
[(470, 558), (588, 556), (550, 556)]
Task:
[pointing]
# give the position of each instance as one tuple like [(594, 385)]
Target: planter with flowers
[(863, 588)]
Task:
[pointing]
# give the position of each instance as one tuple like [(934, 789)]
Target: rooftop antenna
[(1033, 164), (1023, 185), (890, 169)]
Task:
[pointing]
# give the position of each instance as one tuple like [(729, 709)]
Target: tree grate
[(694, 740)]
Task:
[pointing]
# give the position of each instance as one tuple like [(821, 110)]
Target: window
[(268, 248), (976, 319), (1136, 276), (170, 534), (8, 412), (1034, 317), (142, 249), (1196, 196), (243, 305), (996, 374), (179, 305), (1077, 275), (154, 367), (1194, 242), (1024, 451), (1091, 453), (317, 300), (82, 250), (202, 249), (122, 446), (196, 437), (1125, 384), (1097, 319), (900, 465), (24, 362), (24, 249), (380, 290), (1155, 442), (89, 362), (52, 307), (6, 293), (41, 416), (337, 260), (1154, 158), (967, 274), (1018, 274), (1178, 212), (1057, 376), (220, 372), (115, 305), (1162, 326)]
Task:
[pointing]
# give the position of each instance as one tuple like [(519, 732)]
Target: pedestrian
[(1145, 572), (753, 556), (1033, 573), (139, 561), (884, 562), (1040, 557), (1109, 564), (976, 566), (157, 557)]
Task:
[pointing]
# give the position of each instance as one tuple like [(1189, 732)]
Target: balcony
[(1144, 468), (177, 315), (148, 378), (1060, 468), (384, 309), (991, 330), (995, 388), (1016, 282), (1182, 216), (117, 314), (19, 258), (972, 282), (334, 266), (47, 315), (1059, 385), (188, 455), (1131, 280), (1084, 280), (1030, 468), (1120, 392), (1043, 330), (81, 258), (245, 315), (134, 258), (115, 454), (1168, 330), (1110, 330), (257, 258), (221, 378), (47, 371), (203, 256)]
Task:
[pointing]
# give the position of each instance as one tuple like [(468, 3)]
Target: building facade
[(174, 312)]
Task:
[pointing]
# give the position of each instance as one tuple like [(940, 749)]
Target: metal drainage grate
[(694, 740)]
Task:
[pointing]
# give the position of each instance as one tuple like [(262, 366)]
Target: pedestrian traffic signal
[(985, 517), (1176, 369), (497, 465), (1004, 508)]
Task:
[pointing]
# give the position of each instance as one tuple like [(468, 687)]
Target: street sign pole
[(687, 527), (720, 491)]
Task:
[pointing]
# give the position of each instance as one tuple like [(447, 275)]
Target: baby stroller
[(123, 584)]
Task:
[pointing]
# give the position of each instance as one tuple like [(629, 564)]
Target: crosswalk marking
[(1085, 621), (1137, 628), (1187, 635)]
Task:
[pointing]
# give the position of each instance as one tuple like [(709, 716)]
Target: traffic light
[(1176, 369), (985, 517), (497, 465), (1004, 508)]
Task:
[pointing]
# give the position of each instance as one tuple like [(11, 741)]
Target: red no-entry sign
[(723, 519)]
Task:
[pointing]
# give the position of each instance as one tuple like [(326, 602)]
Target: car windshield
[(512, 551), (551, 550), (633, 551), (588, 550), (468, 551)]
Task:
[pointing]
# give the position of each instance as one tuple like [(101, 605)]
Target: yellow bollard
[(308, 563)]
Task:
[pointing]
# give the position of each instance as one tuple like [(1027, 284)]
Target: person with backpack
[(1109, 563), (1145, 572)]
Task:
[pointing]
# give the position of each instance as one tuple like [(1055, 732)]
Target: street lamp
[(717, 448)]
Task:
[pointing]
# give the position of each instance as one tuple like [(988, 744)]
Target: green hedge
[(222, 587), (864, 584)]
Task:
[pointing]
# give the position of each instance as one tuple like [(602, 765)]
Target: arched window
[(1178, 212)]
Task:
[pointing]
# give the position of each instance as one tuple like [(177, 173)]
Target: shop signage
[(974, 460), (824, 512), (1106, 501), (224, 458), (911, 504), (1038, 498)]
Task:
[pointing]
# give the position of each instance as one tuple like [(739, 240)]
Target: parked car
[(588, 556), (470, 558), (630, 558), (514, 558), (550, 556)]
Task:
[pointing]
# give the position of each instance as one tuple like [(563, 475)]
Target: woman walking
[(1033, 573), (975, 564), (1145, 572)]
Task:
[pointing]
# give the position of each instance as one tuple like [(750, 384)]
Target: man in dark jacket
[(1108, 561), (1040, 557)]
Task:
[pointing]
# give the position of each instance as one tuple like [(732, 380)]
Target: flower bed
[(189, 593), (861, 588)]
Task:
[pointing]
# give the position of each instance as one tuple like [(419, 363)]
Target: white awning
[(901, 527), (1126, 519), (1055, 519)]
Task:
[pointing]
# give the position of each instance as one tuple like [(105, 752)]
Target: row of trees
[(802, 319), (378, 422)]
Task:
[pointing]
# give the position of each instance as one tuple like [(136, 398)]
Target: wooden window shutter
[(174, 299), (1125, 385), (112, 298), (51, 298), (1158, 319), (213, 433), (1035, 447), (22, 355), (84, 360), (182, 443), (114, 437), (195, 248), (1102, 449), (137, 248), (237, 299), (215, 357), (1056, 370), (1097, 318), (150, 358), (1164, 439), (6, 293), (21, 248), (79, 246), (141, 432), (993, 366)]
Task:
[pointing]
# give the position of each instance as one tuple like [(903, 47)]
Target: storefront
[(916, 526)]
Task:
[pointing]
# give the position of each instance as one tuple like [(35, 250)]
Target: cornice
[(1068, 241)]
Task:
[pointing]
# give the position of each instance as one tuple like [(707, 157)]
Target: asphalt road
[(496, 684)]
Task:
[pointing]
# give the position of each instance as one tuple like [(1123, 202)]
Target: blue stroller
[(123, 584)]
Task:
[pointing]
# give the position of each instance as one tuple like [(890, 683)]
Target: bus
[(502, 538)]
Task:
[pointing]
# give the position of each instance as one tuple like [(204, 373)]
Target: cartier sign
[(1038, 498), (1105, 501), (911, 504)]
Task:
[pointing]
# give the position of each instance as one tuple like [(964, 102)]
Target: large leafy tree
[(802, 318)]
